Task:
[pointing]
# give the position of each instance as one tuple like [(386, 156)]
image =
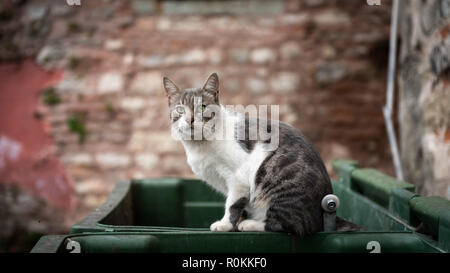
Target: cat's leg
[(251, 225), (257, 216), (237, 200)]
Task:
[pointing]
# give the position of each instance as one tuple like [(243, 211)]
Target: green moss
[(77, 125), (10, 47), (46, 59), (9, 51), (50, 96), (109, 107), (73, 62), (74, 27)]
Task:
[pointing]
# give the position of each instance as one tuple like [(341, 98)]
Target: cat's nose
[(190, 120)]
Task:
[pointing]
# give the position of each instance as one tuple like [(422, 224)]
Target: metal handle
[(330, 203)]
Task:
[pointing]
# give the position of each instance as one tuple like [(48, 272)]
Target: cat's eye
[(201, 108), (179, 109)]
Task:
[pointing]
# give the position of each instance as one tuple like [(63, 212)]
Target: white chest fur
[(224, 163)]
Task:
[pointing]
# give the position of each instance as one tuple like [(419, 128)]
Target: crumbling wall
[(424, 86)]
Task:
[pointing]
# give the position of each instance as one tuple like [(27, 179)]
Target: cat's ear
[(212, 83), (171, 88), (211, 86)]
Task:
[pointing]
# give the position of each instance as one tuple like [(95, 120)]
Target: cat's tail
[(345, 225)]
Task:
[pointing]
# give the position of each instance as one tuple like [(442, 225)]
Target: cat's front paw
[(221, 226), (251, 225)]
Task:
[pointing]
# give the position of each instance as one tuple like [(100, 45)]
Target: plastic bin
[(172, 215)]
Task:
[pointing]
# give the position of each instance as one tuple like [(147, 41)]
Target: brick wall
[(323, 62)]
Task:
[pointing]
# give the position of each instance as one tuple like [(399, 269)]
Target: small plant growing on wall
[(73, 62), (50, 96), (74, 27), (110, 109), (76, 124)]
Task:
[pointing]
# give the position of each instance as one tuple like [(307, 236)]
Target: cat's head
[(192, 111)]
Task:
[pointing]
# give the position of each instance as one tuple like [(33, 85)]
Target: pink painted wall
[(27, 158)]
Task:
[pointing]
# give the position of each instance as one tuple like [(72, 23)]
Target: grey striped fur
[(295, 180)]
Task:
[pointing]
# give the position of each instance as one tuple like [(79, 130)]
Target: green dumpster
[(172, 215)]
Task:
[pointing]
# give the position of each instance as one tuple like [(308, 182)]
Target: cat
[(267, 189)]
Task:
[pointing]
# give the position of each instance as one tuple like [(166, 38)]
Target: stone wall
[(323, 62), (424, 82)]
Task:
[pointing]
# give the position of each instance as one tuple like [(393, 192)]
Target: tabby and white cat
[(266, 189)]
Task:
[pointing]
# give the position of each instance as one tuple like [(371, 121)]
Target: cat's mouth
[(191, 133), (195, 132)]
